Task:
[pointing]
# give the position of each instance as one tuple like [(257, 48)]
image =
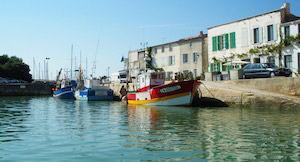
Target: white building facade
[(238, 37), (291, 50)]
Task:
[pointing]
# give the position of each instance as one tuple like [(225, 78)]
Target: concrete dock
[(278, 92)]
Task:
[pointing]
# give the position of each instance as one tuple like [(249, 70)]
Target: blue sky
[(47, 28)]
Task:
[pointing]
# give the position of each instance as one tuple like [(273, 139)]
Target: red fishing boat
[(152, 90)]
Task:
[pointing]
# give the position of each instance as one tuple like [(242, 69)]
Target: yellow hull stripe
[(158, 99)]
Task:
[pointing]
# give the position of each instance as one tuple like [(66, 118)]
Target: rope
[(208, 90)]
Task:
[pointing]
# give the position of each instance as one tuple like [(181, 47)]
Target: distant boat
[(93, 91), (152, 91), (65, 89)]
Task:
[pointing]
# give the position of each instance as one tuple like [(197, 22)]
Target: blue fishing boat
[(93, 91), (65, 89)]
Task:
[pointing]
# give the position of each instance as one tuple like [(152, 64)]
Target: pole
[(71, 60), (86, 69), (44, 69), (33, 68), (39, 70)]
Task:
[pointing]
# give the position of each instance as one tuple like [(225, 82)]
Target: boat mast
[(71, 60), (94, 63)]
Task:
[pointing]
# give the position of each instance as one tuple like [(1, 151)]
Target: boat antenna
[(94, 63)]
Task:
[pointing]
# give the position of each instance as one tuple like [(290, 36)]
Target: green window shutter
[(211, 67), (218, 64), (226, 41), (214, 43), (232, 40), (229, 67), (219, 42)]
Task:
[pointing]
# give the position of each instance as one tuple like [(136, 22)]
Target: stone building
[(182, 56)]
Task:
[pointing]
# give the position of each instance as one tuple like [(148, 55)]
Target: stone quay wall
[(25, 89), (282, 85), (279, 92)]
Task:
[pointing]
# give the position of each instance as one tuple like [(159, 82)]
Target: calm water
[(47, 129)]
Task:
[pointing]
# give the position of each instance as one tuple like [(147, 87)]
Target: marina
[(48, 129), (140, 81)]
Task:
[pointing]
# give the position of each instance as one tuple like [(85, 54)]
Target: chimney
[(286, 6), (201, 33)]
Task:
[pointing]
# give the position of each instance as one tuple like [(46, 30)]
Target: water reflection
[(68, 130), (218, 134), (13, 112)]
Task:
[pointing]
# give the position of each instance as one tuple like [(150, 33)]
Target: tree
[(13, 67)]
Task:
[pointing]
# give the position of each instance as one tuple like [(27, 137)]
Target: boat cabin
[(93, 84), (149, 80)]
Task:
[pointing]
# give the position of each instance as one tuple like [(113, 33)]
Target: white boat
[(93, 91)]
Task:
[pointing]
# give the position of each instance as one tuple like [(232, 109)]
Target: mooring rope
[(207, 90)]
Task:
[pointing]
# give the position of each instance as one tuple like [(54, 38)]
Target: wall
[(25, 90), (283, 85), (159, 55), (185, 48)]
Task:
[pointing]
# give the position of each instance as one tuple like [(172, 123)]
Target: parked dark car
[(263, 70)]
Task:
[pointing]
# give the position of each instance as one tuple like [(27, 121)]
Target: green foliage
[(148, 55), (13, 67), (254, 51)]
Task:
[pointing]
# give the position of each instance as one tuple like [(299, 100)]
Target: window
[(195, 72), (220, 42), (298, 28), (244, 38), (270, 32), (170, 48), (287, 33), (195, 56), (223, 45), (272, 59), (154, 76), (162, 49), (256, 35), (154, 62), (185, 72), (171, 60), (191, 44), (163, 61), (215, 67), (169, 75), (155, 50), (185, 58), (298, 61), (288, 61)]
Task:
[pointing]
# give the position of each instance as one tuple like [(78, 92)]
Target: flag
[(122, 59)]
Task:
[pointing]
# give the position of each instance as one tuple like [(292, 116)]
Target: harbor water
[(48, 129)]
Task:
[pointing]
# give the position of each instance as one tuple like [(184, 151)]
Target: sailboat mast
[(71, 60), (94, 63)]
